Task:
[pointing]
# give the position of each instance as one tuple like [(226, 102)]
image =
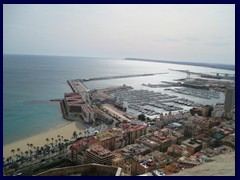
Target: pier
[(79, 87)]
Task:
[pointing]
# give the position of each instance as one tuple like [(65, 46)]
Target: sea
[(30, 81)]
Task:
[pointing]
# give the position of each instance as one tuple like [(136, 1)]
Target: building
[(188, 163), (192, 145), (124, 157), (88, 113), (153, 145), (175, 151), (146, 165), (78, 149), (118, 133), (135, 131), (98, 154), (107, 140), (73, 102), (229, 99)]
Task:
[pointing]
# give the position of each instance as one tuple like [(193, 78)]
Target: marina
[(201, 93), (151, 103)]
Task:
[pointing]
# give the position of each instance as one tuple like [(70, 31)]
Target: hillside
[(223, 165)]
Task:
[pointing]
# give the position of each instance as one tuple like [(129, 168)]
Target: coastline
[(40, 139)]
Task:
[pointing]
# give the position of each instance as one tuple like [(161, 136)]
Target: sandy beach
[(40, 139)]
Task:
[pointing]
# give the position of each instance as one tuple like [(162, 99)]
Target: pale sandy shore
[(40, 139)]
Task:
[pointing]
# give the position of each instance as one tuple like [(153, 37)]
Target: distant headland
[(210, 65)]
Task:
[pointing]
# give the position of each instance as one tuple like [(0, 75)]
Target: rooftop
[(86, 108), (105, 135), (192, 142), (99, 150), (135, 127), (88, 140)]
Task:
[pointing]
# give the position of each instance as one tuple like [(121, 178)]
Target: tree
[(47, 140), (142, 117), (31, 146), (18, 150), (13, 151), (52, 139), (75, 134)]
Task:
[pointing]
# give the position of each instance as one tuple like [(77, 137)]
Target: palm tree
[(26, 152), (18, 150), (31, 146), (28, 145), (13, 151), (80, 133), (52, 139), (30, 152), (47, 140), (75, 134), (10, 159)]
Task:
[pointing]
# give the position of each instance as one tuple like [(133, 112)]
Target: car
[(17, 174), (157, 173)]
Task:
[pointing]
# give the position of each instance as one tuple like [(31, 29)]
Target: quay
[(55, 99)]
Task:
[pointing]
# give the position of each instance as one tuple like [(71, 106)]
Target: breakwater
[(118, 77)]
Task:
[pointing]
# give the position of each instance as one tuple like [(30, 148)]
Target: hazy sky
[(200, 33)]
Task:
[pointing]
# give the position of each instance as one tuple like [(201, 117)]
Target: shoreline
[(39, 140)]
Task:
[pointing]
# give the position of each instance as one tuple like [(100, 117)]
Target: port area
[(93, 107), (225, 76), (218, 85), (121, 104)]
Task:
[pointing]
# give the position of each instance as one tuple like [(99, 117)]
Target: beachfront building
[(73, 102)]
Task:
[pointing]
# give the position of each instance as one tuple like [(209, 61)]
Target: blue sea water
[(30, 81)]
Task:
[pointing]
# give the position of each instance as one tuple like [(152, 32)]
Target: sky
[(178, 32)]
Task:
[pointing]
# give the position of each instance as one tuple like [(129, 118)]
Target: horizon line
[(123, 58)]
